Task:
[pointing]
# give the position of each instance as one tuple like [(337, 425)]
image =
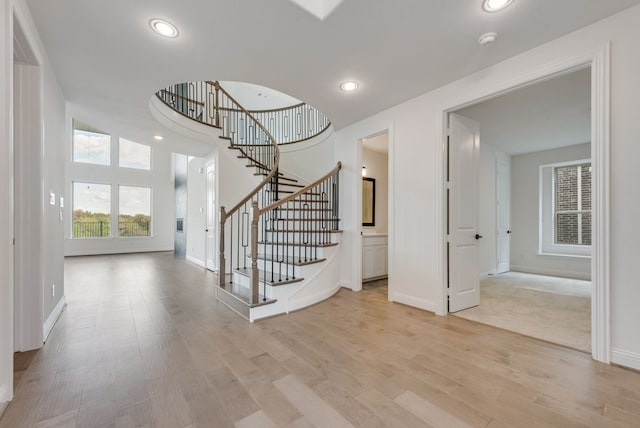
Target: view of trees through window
[(135, 211), (573, 204), (91, 210), (92, 202)]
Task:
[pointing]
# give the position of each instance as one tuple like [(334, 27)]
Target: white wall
[(6, 218), (487, 213), (525, 215), (415, 265), (52, 180), (308, 162), (377, 167), (196, 221), (160, 178)]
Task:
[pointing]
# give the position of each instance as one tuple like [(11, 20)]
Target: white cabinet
[(374, 256)]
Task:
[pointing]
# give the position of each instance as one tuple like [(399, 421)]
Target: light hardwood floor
[(143, 343)]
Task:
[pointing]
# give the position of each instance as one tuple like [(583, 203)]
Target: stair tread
[(282, 177), (303, 209), (243, 294), (265, 277), (298, 244), (307, 219), (296, 261), (305, 231)]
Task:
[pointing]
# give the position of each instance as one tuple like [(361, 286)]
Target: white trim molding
[(601, 200), (416, 302), (625, 358), (53, 318), (470, 91), (195, 261)]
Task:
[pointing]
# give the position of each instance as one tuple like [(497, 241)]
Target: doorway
[(519, 217), (375, 212)]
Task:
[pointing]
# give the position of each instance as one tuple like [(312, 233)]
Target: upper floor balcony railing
[(201, 101)]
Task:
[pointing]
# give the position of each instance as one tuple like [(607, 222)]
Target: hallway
[(144, 343)]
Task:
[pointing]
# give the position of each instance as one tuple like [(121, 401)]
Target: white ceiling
[(547, 115), (109, 63)]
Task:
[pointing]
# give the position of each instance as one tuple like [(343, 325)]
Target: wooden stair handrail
[(300, 192), (276, 162)]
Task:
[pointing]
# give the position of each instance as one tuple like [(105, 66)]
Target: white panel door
[(502, 216), (464, 149), (211, 218)]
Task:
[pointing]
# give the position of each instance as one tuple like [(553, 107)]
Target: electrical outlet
[(53, 291)]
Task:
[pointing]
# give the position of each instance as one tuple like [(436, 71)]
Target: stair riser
[(292, 251), (301, 225), (245, 281), (300, 215), (311, 238)]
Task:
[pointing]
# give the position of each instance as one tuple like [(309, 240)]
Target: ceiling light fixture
[(164, 28), (495, 5), (349, 86), (487, 38), (158, 137)]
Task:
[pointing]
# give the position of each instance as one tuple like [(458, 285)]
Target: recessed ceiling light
[(158, 137), (495, 5), (349, 86), (164, 28), (487, 38)]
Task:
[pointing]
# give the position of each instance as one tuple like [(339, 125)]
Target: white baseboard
[(195, 261), (53, 317), (416, 302), (303, 302), (552, 272), (345, 284), (625, 358), (5, 397)]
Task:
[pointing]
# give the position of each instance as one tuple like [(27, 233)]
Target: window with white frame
[(90, 145), (565, 209), (134, 155), (572, 204), (91, 210), (134, 208)]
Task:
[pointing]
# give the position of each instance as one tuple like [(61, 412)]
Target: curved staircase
[(278, 245)]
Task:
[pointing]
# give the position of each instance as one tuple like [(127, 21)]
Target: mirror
[(368, 201)]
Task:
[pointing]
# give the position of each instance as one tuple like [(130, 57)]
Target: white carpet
[(557, 310)]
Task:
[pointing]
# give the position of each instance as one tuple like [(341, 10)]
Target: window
[(134, 155), (135, 211), (572, 205), (90, 145), (91, 210), (565, 209)]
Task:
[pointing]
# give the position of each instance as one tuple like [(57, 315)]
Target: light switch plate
[(61, 202), (52, 198)]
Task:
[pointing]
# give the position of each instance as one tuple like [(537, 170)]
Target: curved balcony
[(202, 102)]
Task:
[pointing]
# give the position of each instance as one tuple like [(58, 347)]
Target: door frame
[(357, 255), (497, 211), (599, 60), (28, 192), (212, 163)]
